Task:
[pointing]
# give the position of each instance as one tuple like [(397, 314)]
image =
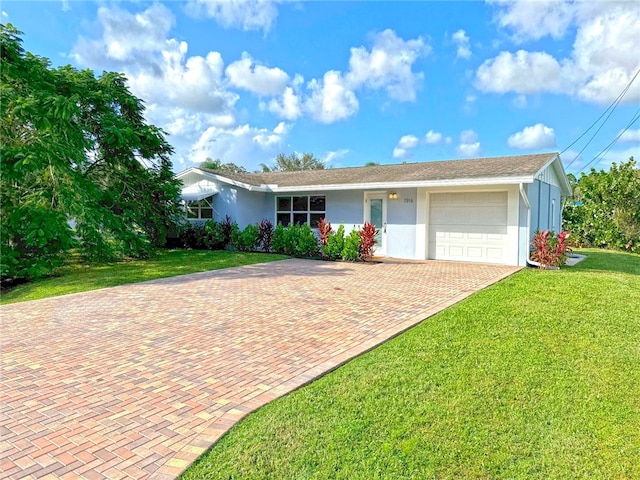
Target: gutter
[(528, 204)]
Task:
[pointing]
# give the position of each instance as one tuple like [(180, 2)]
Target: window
[(301, 209), (199, 209)]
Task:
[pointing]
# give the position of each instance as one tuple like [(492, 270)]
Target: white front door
[(375, 212)]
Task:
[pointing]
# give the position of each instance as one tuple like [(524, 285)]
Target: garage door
[(468, 226)]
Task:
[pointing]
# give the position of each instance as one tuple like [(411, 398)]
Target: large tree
[(605, 208), (217, 164), (294, 162), (80, 166)]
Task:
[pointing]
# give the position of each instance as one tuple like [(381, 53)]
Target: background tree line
[(605, 209)]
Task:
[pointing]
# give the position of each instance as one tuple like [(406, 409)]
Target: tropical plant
[(550, 250), (265, 235), (324, 229), (367, 241)]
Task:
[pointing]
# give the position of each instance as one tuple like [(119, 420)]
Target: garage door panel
[(468, 226), (489, 232)]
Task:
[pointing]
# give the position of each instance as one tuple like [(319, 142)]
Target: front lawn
[(80, 277), (537, 376)]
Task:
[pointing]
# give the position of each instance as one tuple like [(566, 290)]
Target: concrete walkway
[(137, 381)]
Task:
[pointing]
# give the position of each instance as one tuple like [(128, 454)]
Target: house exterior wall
[(252, 207), (546, 209)]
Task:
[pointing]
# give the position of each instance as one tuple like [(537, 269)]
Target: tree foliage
[(80, 166), (293, 162), (217, 164), (605, 208)]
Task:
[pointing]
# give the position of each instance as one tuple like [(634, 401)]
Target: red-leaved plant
[(367, 241), (324, 229), (550, 250)]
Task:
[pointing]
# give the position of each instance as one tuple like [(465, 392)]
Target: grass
[(79, 277), (537, 376)]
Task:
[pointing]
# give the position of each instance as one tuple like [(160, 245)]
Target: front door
[(375, 211)]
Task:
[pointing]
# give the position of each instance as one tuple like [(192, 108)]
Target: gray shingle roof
[(512, 166)]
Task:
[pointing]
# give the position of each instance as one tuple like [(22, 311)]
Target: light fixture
[(393, 195)]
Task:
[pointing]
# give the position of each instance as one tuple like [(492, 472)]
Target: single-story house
[(478, 210)]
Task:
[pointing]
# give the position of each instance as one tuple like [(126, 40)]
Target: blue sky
[(353, 82)]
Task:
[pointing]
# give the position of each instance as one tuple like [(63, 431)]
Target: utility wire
[(606, 149), (611, 107)]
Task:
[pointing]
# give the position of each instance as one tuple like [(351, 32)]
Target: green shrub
[(306, 243), (193, 235), (248, 239), (278, 239), (335, 244), (215, 239), (351, 250)]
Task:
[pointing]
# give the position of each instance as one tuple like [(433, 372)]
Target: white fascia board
[(221, 178), (398, 185)]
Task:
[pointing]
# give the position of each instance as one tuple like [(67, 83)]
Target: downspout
[(523, 194)]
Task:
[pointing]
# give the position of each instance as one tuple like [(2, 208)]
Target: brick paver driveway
[(137, 381)]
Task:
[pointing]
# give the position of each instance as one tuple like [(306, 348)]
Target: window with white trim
[(199, 209), (292, 209)]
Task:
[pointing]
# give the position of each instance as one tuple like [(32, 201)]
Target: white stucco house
[(479, 210)]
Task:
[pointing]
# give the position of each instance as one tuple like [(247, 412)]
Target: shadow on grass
[(607, 261)]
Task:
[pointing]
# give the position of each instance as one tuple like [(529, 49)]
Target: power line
[(611, 107), (606, 149)]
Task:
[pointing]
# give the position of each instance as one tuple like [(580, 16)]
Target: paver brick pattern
[(137, 381)]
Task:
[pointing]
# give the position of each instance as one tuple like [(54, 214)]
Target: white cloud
[(129, 41), (602, 62), (534, 20), (4, 14), (461, 40), (631, 136), (400, 153), (406, 143), (157, 68), (331, 98), (524, 73), (258, 79), (534, 137), (388, 65), (187, 96), (244, 14), (520, 101), (244, 145), (288, 106), (335, 155), (434, 138), (469, 144)]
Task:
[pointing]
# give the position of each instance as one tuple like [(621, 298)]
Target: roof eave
[(410, 184), (222, 179), (556, 162)]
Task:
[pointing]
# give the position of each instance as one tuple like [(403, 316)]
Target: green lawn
[(166, 263), (537, 376)]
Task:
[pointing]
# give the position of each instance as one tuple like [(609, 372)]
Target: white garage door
[(468, 226)]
